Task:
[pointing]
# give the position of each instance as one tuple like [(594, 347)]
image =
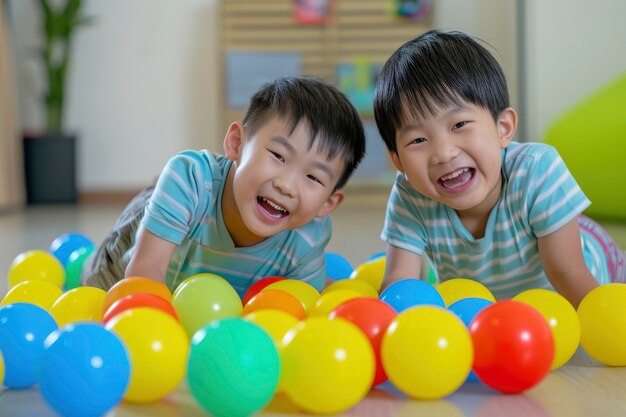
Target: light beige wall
[(574, 47)]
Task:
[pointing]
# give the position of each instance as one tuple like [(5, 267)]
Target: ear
[(396, 160), (507, 123), (233, 140), (335, 199)]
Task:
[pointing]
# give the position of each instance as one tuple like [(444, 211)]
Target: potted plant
[(50, 157)]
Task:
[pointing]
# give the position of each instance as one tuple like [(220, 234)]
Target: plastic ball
[(202, 298), (362, 287), (304, 292), (139, 299), (79, 304), (373, 317), (337, 267), (74, 267), (458, 288), (561, 317), (63, 246), (276, 300), (84, 370), (23, 329), (328, 365), (602, 315), (427, 352), (234, 368), (330, 300), (258, 286), (157, 346), (411, 292), (40, 293), (371, 272), (36, 265), (513, 346), (133, 285)]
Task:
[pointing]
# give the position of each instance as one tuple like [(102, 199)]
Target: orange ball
[(275, 300), (133, 285)]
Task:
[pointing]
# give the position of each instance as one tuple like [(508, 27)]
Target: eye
[(315, 179), (417, 141), (277, 155), (460, 125)]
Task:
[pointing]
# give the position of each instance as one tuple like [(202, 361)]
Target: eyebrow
[(444, 113), (317, 164)]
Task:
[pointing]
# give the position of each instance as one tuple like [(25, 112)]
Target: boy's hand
[(151, 257)]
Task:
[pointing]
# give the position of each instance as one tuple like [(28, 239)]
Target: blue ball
[(376, 256), (84, 370), (337, 267), (23, 329), (63, 246), (411, 292)]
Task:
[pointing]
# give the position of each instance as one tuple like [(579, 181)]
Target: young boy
[(477, 204), (261, 209)]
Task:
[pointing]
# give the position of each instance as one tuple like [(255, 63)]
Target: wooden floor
[(580, 388)]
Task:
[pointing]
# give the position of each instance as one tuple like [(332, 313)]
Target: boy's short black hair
[(436, 69), (328, 113)]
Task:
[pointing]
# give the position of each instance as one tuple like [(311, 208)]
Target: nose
[(285, 184), (443, 152)]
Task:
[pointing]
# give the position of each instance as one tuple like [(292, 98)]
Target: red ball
[(513, 346), (139, 299), (258, 286), (372, 316)]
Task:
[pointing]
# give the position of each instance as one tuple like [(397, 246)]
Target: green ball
[(74, 266), (234, 368)]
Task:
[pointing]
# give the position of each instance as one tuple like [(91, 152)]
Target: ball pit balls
[(139, 299), (36, 265), (84, 370), (513, 346), (411, 292), (371, 272), (23, 329), (74, 267), (234, 368), (458, 288), (258, 286), (561, 317), (64, 245), (132, 285), (362, 287), (304, 292), (79, 304), (276, 300), (602, 315), (427, 352), (40, 293), (157, 346), (337, 267), (328, 365)]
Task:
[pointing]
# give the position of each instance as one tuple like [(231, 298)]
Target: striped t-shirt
[(539, 195), (186, 209)]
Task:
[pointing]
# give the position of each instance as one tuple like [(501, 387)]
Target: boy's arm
[(400, 264), (562, 258), (151, 257)]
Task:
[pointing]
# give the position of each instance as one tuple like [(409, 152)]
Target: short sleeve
[(553, 198), (404, 226), (178, 196)]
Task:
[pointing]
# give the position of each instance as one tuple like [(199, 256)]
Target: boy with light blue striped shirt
[(261, 209), (473, 201)]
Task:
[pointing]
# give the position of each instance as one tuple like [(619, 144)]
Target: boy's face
[(278, 183), (455, 157)]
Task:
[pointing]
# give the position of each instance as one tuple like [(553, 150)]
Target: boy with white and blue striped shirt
[(260, 209), (476, 203)]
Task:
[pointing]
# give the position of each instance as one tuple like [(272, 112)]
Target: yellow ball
[(330, 300), (157, 346), (305, 293), (328, 365), (456, 289), (561, 317), (36, 265), (602, 315), (362, 287), (371, 272), (427, 352), (39, 293), (79, 304)]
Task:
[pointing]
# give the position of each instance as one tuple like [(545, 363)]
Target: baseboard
[(117, 197)]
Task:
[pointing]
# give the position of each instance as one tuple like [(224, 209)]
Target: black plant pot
[(50, 169)]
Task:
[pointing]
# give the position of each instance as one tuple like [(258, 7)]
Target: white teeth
[(454, 174), (274, 205)]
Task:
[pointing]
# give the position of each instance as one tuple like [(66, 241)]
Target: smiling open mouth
[(456, 179), (273, 209)]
